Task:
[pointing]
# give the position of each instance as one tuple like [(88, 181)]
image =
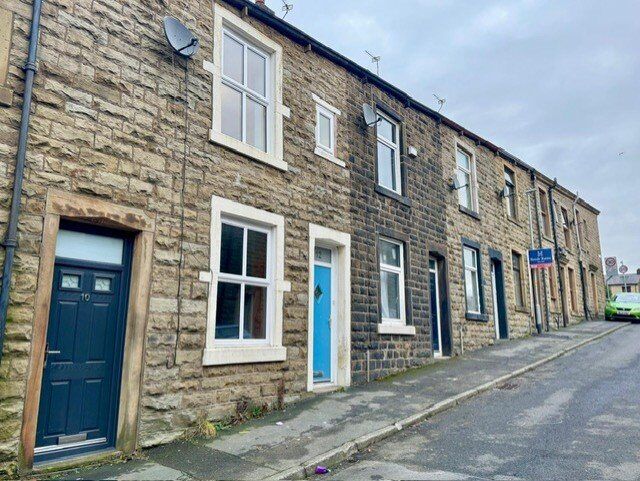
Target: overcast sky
[(555, 82)]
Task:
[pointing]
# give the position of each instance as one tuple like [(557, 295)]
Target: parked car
[(624, 306)]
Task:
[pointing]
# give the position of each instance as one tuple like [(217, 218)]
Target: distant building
[(624, 283)]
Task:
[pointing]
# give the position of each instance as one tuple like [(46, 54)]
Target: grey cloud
[(554, 82)]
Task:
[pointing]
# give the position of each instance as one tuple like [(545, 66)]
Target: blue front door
[(322, 324), (81, 378)]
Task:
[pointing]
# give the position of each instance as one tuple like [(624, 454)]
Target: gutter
[(11, 238)]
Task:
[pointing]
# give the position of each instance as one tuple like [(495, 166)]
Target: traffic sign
[(623, 269), (611, 266), (540, 258)]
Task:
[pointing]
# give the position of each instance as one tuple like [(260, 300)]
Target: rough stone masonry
[(108, 123)]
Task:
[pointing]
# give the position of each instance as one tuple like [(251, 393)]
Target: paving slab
[(332, 426)]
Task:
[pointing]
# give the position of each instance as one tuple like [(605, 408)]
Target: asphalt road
[(577, 418)]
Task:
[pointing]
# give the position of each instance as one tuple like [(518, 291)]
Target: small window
[(392, 281), (243, 283), (510, 193), (544, 213), (325, 129), (324, 255), (102, 284), (388, 153), (472, 280), (70, 281), (466, 174), (244, 91), (516, 260)]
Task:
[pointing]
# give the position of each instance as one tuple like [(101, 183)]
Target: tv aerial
[(441, 102), (180, 38), (375, 59), (286, 8)]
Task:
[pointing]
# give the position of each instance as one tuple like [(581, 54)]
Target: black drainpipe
[(557, 251), (12, 229)]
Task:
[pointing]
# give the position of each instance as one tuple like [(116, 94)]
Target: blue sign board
[(540, 258)]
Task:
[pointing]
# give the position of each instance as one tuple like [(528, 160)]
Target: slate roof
[(619, 280)]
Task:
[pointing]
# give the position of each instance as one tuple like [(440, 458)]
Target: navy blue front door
[(436, 327), (81, 378)]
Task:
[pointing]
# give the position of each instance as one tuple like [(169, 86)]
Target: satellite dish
[(182, 41), (370, 116)]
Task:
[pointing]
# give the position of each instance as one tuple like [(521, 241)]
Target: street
[(576, 418)]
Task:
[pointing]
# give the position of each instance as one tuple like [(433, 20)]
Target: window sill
[(473, 316), (393, 195), (514, 220), (6, 97), (326, 155), (221, 356), (523, 310), (402, 330), (469, 212), (247, 150)]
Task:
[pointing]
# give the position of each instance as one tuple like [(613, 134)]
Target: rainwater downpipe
[(585, 305), (560, 280), (10, 240), (536, 197)]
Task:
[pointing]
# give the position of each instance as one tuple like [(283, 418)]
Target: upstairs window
[(544, 213), (245, 100), (466, 174), (326, 130), (246, 71), (389, 172), (510, 193), (565, 228)]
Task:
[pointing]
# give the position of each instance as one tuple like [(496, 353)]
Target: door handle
[(53, 352)]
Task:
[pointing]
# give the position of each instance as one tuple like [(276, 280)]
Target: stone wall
[(417, 220), (492, 229), (108, 121)]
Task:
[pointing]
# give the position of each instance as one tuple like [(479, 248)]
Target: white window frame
[(395, 147), (473, 176), (223, 352), (389, 325), (512, 200), (327, 152), (244, 89), (243, 280), (476, 271), (226, 22)]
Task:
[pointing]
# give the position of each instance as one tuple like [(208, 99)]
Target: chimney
[(262, 4)]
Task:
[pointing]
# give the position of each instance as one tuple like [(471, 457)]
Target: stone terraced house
[(189, 239)]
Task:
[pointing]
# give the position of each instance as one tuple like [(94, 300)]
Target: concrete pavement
[(574, 419), (329, 428)]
